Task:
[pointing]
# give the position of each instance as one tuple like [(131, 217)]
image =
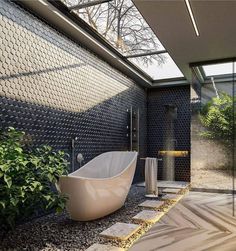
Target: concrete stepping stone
[(171, 190), (148, 216), (172, 184), (174, 197), (121, 231), (155, 204), (167, 184), (101, 247)]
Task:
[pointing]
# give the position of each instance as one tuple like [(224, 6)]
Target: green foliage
[(218, 118), (27, 178)]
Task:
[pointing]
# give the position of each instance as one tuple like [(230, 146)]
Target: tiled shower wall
[(157, 99), (55, 90)]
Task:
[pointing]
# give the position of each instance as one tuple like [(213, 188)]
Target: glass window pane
[(162, 68), (218, 69), (212, 129), (121, 24)]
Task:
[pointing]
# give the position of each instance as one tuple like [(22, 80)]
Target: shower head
[(171, 110), (169, 106)]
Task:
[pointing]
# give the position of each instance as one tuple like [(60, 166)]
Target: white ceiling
[(170, 21)]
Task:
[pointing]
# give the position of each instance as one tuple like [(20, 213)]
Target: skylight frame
[(119, 56), (216, 71), (88, 4), (203, 77), (164, 76)]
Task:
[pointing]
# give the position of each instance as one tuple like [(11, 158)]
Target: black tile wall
[(55, 90), (180, 97)]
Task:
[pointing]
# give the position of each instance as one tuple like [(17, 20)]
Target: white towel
[(151, 176)]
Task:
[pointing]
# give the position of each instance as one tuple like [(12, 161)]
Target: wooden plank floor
[(200, 221)]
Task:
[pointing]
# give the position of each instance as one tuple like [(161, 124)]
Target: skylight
[(120, 23), (218, 69), (164, 70)]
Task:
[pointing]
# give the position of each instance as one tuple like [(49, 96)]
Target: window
[(120, 23)]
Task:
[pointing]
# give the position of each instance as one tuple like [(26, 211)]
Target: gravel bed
[(211, 178), (58, 232)]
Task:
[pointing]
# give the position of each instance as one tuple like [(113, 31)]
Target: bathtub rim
[(100, 179)]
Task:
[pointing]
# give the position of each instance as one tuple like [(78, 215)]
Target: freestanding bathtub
[(100, 187)]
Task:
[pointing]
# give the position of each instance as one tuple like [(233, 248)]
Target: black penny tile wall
[(157, 99), (55, 90)]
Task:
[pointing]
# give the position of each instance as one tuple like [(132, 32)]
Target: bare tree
[(122, 25)]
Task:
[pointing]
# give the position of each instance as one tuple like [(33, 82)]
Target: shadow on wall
[(22, 25), (46, 50), (37, 72)]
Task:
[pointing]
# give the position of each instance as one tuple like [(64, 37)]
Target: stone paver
[(167, 184), (101, 247), (172, 184), (152, 204), (121, 231), (148, 216), (171, 190), (170, 197)]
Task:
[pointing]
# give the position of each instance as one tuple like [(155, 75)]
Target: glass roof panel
[(218, 69), (121, 24), (163, 68)]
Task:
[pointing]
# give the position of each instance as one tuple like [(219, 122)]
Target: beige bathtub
[(100, 187)]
